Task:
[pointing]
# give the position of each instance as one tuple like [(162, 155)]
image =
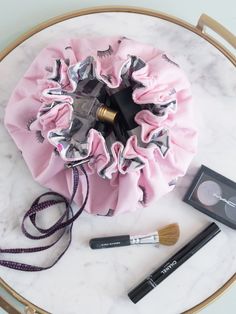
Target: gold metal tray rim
[(204, 20)]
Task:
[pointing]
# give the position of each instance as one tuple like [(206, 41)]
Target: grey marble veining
[(87, 281)]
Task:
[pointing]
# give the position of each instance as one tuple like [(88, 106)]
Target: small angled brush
[(167, 235)]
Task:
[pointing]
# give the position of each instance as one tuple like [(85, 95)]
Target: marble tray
[(87, 281)]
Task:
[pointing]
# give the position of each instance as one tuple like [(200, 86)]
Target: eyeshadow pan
[(206, 193), (230, 208)]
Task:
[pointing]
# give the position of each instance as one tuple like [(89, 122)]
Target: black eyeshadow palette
[(214, 195)]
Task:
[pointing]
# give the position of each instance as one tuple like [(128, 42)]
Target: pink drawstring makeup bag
[(105, 122)]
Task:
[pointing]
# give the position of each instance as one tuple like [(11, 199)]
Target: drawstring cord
[(64, 223)]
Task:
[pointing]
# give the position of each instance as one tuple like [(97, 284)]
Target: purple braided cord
[(63, 223)]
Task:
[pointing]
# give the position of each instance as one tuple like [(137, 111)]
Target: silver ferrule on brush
[(151, 238)]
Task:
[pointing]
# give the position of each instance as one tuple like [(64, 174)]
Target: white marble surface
[(87, 281)]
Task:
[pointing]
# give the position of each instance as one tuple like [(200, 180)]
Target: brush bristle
[(169, 235)]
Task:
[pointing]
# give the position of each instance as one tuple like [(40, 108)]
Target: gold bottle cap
[(105, 114)]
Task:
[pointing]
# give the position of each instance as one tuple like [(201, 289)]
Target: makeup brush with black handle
[(167, 235)]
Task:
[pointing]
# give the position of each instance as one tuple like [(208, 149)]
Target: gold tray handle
[(206, 20)]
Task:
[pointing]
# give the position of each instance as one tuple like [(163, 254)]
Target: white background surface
[(17, 17)]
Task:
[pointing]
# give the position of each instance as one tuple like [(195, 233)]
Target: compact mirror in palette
[(214, 195)]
